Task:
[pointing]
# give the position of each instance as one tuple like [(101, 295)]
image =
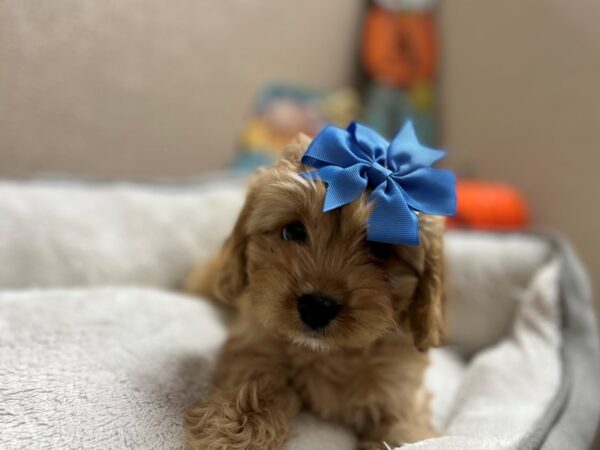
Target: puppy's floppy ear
[(426, 311), (230, 276), (224, 277)]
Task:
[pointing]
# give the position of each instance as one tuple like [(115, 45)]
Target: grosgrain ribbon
[(399, 175)]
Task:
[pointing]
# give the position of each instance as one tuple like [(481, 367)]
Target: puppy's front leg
[(250, 404)]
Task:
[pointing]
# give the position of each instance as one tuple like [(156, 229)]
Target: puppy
[(324, 320)]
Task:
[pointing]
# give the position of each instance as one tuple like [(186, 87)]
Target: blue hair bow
[(399, 175)]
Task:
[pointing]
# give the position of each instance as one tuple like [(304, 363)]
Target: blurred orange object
[(489, 205), (399, 48)]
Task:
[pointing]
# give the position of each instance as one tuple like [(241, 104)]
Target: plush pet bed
[(98, 350)]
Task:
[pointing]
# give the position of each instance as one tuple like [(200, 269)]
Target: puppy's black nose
[(317, 310)]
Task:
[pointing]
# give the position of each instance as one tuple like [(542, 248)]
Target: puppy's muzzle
[(317, 310)]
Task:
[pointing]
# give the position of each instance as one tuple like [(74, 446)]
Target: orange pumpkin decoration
[(399, 48), (488, 205)]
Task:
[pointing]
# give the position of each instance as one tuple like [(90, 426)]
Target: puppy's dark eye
[(294, 232), (379, 250)]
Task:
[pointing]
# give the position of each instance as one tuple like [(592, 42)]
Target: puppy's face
[(313, 278)]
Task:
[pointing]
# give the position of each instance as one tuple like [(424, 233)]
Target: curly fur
[(365, 369)]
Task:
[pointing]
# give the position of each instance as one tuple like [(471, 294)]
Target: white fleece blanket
[(113, 367)]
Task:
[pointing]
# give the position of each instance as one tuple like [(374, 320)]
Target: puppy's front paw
[(221, 424)]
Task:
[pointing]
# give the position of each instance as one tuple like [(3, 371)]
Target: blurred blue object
[(249, 161)]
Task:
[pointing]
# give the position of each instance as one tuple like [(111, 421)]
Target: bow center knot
[(377, 174)]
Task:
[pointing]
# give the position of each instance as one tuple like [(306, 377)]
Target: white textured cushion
[(67, 234), (114, 367)]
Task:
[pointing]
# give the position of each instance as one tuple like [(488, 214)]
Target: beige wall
[(146, 88), (522, 103), (143, 88)]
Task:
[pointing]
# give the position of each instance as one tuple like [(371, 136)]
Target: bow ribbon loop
[(399, 175)]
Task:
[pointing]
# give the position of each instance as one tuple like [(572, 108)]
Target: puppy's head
[(313, 278)]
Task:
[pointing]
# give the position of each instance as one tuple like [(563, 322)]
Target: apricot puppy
[(324, 320)]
